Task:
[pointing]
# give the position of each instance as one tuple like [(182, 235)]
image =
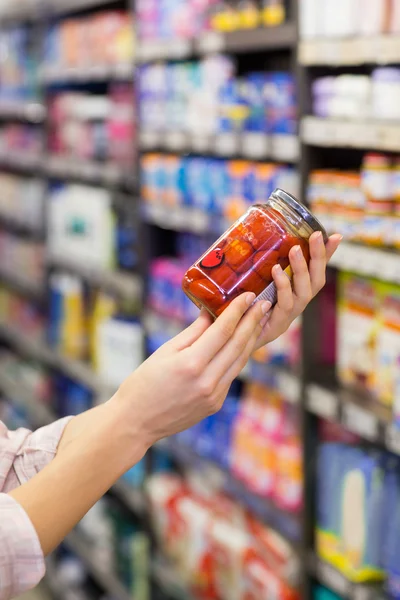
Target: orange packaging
[(236, 205), (71, 42)]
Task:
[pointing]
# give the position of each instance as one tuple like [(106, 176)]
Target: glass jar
[(243, 257)]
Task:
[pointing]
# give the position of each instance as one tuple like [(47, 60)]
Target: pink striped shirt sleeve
[(22, 455)]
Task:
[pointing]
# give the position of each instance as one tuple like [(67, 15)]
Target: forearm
[(95, 451)]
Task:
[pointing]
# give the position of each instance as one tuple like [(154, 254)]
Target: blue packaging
[(256, 120), (198, 184), (281, 103), (219, 182), (321, 593), (136, 475)]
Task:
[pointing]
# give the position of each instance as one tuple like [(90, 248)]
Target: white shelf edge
[(342, 133), (127, 285), (352, 51), (41, 352)]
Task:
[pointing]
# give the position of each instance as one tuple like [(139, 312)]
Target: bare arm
[(96, 449)]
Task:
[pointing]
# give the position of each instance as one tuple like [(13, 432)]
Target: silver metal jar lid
[(301, 210)]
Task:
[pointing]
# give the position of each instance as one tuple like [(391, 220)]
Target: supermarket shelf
[(19, 12), (281, 378), (87, 171), (287, 524), (87, 74), (369, 261), (22, 285), (38, 413), (168, 580), (132, 498), (383, 49), (181, 218), (33, 112), (20, 161), (244, 41), (363, 135), (256, 146), (20, 227), (106, 580), (265, 38), (358, 414), (335, 581), (61, 7), (38, 350), (126, 285)]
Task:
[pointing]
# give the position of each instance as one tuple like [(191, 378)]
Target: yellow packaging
[(104, 308), (273, 13)]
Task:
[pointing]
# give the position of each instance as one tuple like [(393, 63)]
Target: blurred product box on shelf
[(18, 68), (13, 416), (187, 19), (216, 547), (21, 140), (93, 325), (79, 42), (22, 260), (25, 315), (256, 439), (324, 19), (224, 188), (94, 127), (71, 397), (362, 205), (30, 375), (285, 351), (358, 511), (165, 290), (81, 224), (359, 97), (22, 201), (172, 95), (368, 341)]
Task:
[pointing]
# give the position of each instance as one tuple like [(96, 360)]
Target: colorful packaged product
[(357, 331), (350, 506)]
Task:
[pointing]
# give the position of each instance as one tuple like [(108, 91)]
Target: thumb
[(192, 333)]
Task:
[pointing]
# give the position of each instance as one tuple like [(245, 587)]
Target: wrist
[(107, 430), (126, 426)]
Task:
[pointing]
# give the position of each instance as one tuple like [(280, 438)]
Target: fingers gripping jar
[(244, 256)]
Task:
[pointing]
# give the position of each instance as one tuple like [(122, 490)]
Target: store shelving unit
[(317, 397)]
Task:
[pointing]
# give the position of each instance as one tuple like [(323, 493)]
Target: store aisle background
[(120, 162)]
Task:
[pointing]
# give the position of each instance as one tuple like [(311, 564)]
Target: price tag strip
[(372, 262), (351, 134), (371, 424), (383, 49)]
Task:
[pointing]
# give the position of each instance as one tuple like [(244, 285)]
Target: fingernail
[(278, 269), (266, 307), (298, 252), (340, 237), (250, 298)]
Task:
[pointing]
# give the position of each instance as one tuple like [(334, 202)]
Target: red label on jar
[(213, 259)]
